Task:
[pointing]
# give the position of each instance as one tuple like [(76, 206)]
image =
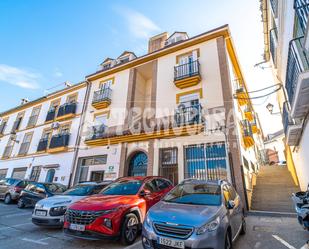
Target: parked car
[(195, 214), (37, 191), (50, 212), (118, 211), (10, 189)]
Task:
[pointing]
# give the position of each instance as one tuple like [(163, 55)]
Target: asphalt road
[(17, 231)]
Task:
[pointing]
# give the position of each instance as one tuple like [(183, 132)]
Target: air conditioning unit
[(55, 125)]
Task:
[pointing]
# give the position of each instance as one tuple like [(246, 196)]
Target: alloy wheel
[(131, 229)]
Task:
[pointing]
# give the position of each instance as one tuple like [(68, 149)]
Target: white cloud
[(139, 25), (19, 77)]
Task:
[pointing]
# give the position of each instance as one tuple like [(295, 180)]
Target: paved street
[(17, 231)]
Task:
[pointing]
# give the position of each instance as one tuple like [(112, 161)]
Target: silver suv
[(195, 214)]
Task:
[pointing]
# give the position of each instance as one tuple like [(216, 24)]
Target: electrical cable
[(262, 96)]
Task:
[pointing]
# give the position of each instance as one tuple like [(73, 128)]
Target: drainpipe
[(79, 133)]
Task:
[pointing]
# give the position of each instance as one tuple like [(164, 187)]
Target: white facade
[(152, 86), (288, 54), (60, 162)]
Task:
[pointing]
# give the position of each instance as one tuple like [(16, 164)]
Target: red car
[(118, 211)]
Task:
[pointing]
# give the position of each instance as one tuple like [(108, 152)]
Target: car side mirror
[(144, 193), (230, 204)]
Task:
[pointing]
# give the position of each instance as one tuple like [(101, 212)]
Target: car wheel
[(7, 199), (129, 230), (21, 203), (228, 241), (243, 227)]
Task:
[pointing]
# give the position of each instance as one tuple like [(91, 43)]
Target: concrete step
[(273, 190)]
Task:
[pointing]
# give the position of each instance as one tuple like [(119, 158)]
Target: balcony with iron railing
[(51, 114), (43, 144), (96, 132), (292, 129), (102, 98), (188, 115), (297, 78), (66, 111), (32, 121), (2, 128), (7, 151), (187, 75), (247, 134), (274, 7), (24, 147), (16, 126), (59, 142), (273, 43), (302, 11)]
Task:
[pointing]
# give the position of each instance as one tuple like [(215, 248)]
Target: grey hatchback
[(195, 214), (10, 189)]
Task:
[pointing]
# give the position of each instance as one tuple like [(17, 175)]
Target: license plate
[(77, 227), (40, 213), (171, 243)]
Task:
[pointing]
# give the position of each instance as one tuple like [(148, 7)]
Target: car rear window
[(195, 194), (11, 181)]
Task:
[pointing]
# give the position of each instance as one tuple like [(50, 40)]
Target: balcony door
[(189, 108)]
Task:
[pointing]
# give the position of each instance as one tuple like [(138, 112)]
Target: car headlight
[(148, 221), (209, 227)]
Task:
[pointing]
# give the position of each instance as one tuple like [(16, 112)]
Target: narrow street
[(17, 231)]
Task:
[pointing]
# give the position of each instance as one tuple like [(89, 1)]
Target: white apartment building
[(286, 46), (180, 111), (39, 138)]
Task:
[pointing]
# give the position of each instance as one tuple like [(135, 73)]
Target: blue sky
[(44, 43)]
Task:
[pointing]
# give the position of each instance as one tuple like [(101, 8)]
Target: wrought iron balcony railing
[(16, 125), (247, 129), (273, 38), (302, 11), (102, 95), (24, 147), (59, 140), (96, 132), (51, 115), (7, 151), (43, 143), (188, 115), (286, 118), (274, 7), (186, 70), (32, 120), (67, 108), (2, 128), (298, 62)]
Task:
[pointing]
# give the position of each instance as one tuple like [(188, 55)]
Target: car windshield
[(80, 190), (195, 194), (8, 181), (125, 187), (55, 188)]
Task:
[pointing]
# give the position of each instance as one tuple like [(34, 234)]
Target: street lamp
[(270, 108)]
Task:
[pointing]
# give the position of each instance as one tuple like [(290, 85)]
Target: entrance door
[(50, 175), (97, 176), (169, 164), (138, 165)]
